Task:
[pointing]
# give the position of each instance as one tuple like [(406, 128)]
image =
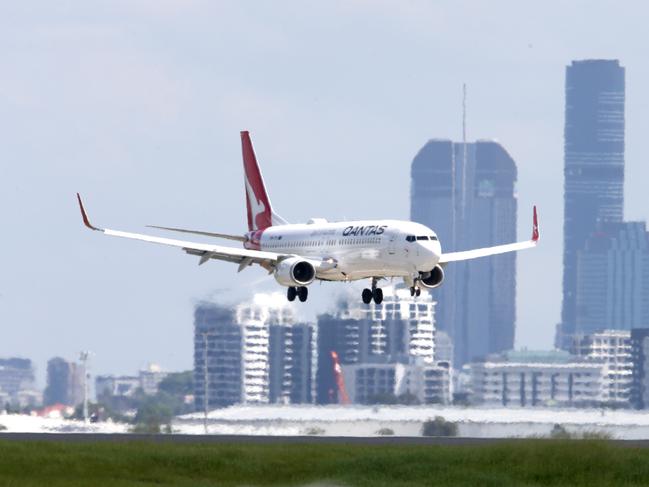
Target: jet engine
[(432, 279), (294, 272)]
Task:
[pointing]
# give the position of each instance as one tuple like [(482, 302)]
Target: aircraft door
[(392, 244)]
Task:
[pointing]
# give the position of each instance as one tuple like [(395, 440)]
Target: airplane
[(299, 254)]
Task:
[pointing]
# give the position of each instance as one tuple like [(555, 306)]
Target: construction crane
[(340, 380)]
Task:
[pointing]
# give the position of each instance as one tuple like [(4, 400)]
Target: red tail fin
[(260, 213)]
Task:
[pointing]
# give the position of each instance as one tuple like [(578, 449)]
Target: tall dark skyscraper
[(469, 206), (593, 167)]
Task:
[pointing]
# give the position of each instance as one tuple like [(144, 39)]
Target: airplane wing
[(227, 236), (498, 249), (243, 257)]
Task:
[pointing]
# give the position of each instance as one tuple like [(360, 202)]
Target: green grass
[(522, 463)]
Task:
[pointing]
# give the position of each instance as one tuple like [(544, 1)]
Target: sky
[(138, 105)]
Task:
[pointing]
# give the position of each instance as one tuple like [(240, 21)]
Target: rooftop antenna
[(464, 151)]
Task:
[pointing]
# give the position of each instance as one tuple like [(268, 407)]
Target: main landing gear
[(415, 291), (301, 292), (376, 293)]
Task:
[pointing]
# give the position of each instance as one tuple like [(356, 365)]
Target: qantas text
[(368, 230)]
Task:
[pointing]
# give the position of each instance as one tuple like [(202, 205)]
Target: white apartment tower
[(242, 357)]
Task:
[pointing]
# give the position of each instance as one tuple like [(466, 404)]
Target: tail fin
[(260, 211)]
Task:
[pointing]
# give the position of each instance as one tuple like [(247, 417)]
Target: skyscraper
[(593, 167), (466, 193)]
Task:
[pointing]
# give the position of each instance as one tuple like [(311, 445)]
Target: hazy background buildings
[(455, 344), (127, 100), (17, 383)]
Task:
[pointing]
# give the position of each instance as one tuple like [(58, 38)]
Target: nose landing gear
[(415, 291)]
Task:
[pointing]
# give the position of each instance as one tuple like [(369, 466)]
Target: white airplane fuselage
[(351, 250)]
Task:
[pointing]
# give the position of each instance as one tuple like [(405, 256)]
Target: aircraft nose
[(431, 252)]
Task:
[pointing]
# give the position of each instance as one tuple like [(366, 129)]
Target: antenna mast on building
[(464, 151)]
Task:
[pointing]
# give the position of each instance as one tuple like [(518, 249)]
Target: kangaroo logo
[(256, 207)]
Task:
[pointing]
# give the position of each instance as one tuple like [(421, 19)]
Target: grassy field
[(533, 462)]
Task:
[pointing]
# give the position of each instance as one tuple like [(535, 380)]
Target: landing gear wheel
[(367, 296), (291, 292), (418, 292), (412, 291), (377, 294), (302, 293)]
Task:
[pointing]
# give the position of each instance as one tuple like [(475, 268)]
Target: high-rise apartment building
[(467, 194), (593, 168), (291, 364), (65, 383), (400, 330), (17, 385), (256, 353), (612, 348), (640, 371)]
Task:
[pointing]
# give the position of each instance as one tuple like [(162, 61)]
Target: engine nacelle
[(432, 279), (294, 272)]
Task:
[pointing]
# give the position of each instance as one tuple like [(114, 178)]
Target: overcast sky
[(138, 105)]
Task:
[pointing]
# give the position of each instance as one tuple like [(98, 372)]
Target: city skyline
[(132, 120)]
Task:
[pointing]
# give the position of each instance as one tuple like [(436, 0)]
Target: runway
[(269, 440)]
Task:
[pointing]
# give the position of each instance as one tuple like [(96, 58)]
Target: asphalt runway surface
[(270, 440)]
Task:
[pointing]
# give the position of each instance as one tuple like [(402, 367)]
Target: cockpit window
[(433, 237), (422, 237), (410, 238)]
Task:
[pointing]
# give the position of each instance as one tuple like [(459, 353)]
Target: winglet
[(535, 226), (86, 222)]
